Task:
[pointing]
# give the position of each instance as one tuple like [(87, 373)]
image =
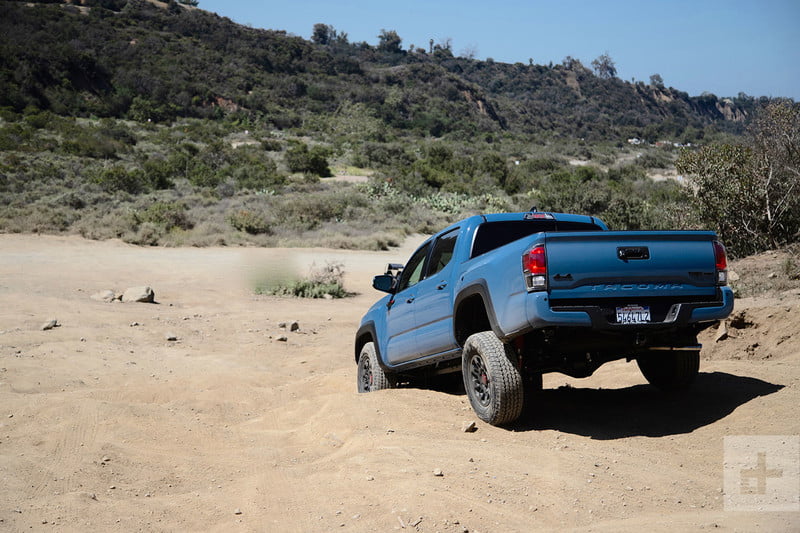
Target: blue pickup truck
[(504, 298)]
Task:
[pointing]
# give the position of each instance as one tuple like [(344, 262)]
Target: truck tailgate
[(630, 265)]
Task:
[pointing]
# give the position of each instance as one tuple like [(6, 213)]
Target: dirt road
[(105, 425)]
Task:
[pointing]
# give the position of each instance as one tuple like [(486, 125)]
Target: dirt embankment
[(105, 425)]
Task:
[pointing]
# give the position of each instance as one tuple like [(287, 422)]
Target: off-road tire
[(492, 380), (670, 371), (371, 376)]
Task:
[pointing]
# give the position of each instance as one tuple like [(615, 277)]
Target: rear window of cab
[(491, 235)]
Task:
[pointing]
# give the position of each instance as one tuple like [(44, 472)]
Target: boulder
[(139, 294)]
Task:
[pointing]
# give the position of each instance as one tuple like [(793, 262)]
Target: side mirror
[(384, 283)]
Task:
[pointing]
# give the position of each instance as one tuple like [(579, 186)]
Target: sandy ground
[(107, 426)]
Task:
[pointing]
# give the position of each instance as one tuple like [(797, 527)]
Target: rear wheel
[(371, 376), (492, 380), (674, 370)]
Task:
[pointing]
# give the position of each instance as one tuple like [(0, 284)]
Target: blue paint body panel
[(590, 272)]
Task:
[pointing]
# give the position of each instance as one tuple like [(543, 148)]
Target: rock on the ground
[(107, 296), (294, 325), (142, 294), (50, 324), (469, 427), (722, 332)]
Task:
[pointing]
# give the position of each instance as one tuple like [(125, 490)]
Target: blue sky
[(696, 46)]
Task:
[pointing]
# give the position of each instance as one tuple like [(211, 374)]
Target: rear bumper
[(542, 315)]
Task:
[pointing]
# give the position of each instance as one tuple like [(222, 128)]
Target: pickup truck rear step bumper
[(597, 316)]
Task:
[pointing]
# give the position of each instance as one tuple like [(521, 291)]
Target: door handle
[(410, 300), (441, 286)]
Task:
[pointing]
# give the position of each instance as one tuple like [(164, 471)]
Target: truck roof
[(477, 220), (533, 215)]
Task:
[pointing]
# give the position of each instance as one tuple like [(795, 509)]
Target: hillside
[(134, 59), (159, 123)]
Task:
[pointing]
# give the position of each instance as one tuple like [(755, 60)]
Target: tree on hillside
[(444, 48), (657, 81), (469, 52), (326, 34), (750, 193), (604, 66), (321, 33), (389, 41), (571, 63)]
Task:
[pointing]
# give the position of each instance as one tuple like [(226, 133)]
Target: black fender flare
[(367, 333), (480, 288)]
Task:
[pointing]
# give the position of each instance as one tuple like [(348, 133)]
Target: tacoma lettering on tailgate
[(611, 287)]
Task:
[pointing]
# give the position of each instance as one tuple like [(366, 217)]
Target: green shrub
[(249, 222), (167, 215), (306, 289), (92, 144), (12, 136), (8, 114), (119, 178), (39, 119), (307, 210), (117, 130), (271, 145), (258, 175), (748, 193), (158, 173), (200, 174), (445, 202), (314, 161), (322, 282)]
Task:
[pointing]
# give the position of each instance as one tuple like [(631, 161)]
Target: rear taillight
[(534, 268), (721, 263)]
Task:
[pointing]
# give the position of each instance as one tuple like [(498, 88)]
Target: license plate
[(633, 314)]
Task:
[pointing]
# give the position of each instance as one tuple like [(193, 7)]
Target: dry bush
[(326, 281)]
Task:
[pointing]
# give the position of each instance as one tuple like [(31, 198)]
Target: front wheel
[(493, 382), (674, 370), (371, 376)]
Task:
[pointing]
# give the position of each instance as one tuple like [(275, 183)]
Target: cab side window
[(442, 252), (412, 273)]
